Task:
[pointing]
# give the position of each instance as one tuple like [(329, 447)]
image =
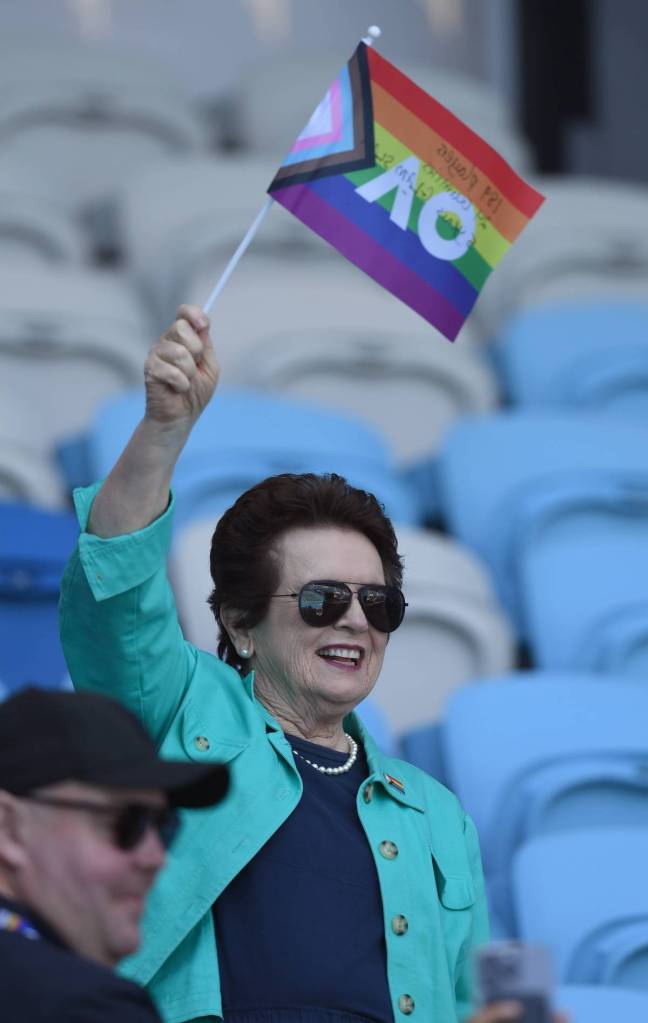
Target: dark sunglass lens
[(322, 604), (384, 606), (130, 824)]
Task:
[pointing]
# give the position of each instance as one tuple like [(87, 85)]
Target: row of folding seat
[(96, 103), (552, 767), (550, 505), (70, 338), (254, 435), (588, 354)]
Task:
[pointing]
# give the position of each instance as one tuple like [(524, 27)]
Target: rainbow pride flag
[(404, 190)]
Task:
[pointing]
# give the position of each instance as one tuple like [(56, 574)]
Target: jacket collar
[(386, 770), (383, 769)]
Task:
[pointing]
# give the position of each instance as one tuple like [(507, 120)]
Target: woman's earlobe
[(237, 637)]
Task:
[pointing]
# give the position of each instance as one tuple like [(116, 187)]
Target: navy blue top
[(300, 930)]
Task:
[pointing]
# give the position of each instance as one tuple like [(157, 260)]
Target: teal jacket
[(121, 636)]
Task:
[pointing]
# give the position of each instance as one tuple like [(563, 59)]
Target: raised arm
[(180, 373), (119, 625)]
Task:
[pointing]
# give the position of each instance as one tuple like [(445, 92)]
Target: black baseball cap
[(48, 736)]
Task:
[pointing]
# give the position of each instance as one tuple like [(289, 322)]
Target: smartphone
[(516, 971)]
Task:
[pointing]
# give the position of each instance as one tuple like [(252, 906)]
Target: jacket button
[(406, 1005), (399, 924), (388, 849), (368, 792), (202, 743)]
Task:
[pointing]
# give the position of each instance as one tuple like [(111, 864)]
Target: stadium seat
[(27, 471), (605, 239), (453, 632), (73, 108), (423, 747), (69, 337), (410, 385), (245, 436), (611, 284), (35, 227), (376, 723), (589, 355), (271, 298), (584, 894), (183, 216), (34, 546), (517, 488), (599, 1004), (584, 576), (543, 752)]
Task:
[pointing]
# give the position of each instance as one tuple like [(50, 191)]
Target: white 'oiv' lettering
[(403, 177)]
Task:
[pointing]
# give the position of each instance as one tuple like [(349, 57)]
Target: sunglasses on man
[(323, 602), (129, 823)]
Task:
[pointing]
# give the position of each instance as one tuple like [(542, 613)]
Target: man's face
[(75, 876)]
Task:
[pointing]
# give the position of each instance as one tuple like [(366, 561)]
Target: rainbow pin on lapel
[(395, 782)]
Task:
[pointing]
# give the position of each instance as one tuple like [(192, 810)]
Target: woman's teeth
[(341, 654)]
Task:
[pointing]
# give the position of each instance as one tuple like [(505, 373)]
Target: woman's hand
[(507, 1012), (181, 371)]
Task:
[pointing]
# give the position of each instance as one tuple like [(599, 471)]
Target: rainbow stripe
[(404, 190), (394, 782)]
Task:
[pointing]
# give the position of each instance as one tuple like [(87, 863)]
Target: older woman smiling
[(334, 884)]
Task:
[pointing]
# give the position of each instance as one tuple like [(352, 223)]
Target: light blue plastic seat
[(539, 752), (584, 575), (584, 894), (579, 354), (34, 547), (244, 436), (599, 1004), (423, 747), (545, 500), (377, 724)]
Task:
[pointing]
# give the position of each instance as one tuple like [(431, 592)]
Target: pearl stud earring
[(244, 652)]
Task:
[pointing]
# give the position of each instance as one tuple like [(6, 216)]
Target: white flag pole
[(373, 33), (229, 269)]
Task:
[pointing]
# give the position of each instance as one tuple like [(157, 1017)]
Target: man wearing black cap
[(87, 809)]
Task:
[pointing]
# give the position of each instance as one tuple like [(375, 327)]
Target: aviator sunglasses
[(323, 602), (130, 822)]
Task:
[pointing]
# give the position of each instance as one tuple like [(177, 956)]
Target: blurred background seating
[(548, 752), (34, 547), (598, 930), (137, 147), (589, 354)]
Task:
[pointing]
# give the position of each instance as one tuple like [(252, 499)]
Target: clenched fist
[(181, 370)]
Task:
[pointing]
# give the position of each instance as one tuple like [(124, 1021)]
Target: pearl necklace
[(343, 768)]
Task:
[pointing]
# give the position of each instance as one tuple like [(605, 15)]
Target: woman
[(334, 885)]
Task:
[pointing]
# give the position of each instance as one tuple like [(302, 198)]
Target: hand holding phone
[(514, 972)]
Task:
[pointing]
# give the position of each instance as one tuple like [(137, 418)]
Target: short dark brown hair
[(243, 570)]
